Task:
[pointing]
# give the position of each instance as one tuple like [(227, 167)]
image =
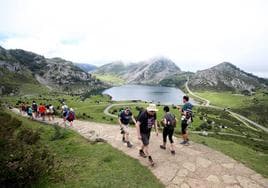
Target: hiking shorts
[(70, 119), (126, 128), (145, 137), (64, 114), (168, 132), (184, 126)]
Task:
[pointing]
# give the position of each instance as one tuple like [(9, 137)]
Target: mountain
[(145, 72), (19, 67), (86, 67), (226, 76)]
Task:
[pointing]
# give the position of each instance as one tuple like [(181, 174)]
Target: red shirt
[(42, 109)]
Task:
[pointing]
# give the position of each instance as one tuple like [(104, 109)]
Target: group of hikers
[(147, 120), (35, 111)]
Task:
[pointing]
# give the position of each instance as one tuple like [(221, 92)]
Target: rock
[(229, 179), (182, 173), (247, 183), (228, 165), (213, 179), (203, 162), (189, 166)]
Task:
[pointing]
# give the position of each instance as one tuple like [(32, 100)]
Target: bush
[(58, 134), (204, 126), (24, 159), (28, 136)]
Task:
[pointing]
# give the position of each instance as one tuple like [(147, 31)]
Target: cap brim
[(150, 109)]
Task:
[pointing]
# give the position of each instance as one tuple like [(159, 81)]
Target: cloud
[(195, 34)]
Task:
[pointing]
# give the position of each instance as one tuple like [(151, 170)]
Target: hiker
[(42, 111), (146, 120), (64, 110), (186, 119), (34, 108), (124, 118), (30, 112), (22, 108), (70, 116), (51, 112), (169, 122)]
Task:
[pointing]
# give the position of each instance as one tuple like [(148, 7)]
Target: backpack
[(34, 106), (171, 119), (71, 115)]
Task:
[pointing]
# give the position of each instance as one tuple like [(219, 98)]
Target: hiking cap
[(152, 107)]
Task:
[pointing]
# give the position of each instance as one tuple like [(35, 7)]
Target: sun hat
[(71, 109), (152, 107)]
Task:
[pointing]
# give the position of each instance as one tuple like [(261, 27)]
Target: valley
[(26, 76)]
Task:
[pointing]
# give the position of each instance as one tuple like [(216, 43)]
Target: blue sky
[(195, 34)]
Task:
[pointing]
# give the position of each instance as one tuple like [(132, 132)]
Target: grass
[(251, 158), (254, 107), (90, 165), (110, 78), (251, 153)]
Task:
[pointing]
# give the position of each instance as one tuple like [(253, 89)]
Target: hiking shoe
[(129, 145), (162, 147), (142, 154), (183, 142), (172, 152), (151, 161)]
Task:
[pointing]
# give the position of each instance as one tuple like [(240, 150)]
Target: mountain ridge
[(54, 73)]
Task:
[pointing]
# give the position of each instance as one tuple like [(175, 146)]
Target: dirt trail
[(192, 166)]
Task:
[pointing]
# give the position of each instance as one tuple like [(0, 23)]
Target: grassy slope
[(91, 108), (110, 78), (254, 107), (87, 165)]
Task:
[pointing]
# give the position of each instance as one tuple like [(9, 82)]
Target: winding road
[(239, 117)]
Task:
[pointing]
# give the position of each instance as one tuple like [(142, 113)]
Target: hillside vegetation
[(77, 163)]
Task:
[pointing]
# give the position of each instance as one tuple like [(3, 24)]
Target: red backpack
[(71, 116)]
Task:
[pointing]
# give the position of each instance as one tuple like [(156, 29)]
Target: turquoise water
[(155, 94)]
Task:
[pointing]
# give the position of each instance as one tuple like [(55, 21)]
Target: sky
[(194, 34)]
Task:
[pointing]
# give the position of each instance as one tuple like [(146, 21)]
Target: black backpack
[(171, 119)]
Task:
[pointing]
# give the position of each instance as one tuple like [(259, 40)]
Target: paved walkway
[(192, 166)]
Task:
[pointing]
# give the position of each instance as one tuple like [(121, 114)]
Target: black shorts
[(145, 137), (69, 119), (184, 126), (64, 114)]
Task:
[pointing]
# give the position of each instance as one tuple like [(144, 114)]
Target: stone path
[(192, 166)]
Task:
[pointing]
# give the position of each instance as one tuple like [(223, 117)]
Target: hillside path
[(192, 166)]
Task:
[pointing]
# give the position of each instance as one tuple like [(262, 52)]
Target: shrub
[(24, 159), (204, 126), (28, 136), (59, 133)]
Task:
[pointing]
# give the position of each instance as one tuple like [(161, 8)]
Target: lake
[(155, 94)]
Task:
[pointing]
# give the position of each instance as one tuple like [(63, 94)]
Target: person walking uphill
[(124, 118), (70, 116), (146, 120), (186, 119), (169, 122)]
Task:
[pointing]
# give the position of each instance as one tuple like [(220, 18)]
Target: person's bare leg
[(146, 150), (126, 137), (172, 147)]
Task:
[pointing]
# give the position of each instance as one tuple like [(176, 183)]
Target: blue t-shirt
[(125, 118)]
